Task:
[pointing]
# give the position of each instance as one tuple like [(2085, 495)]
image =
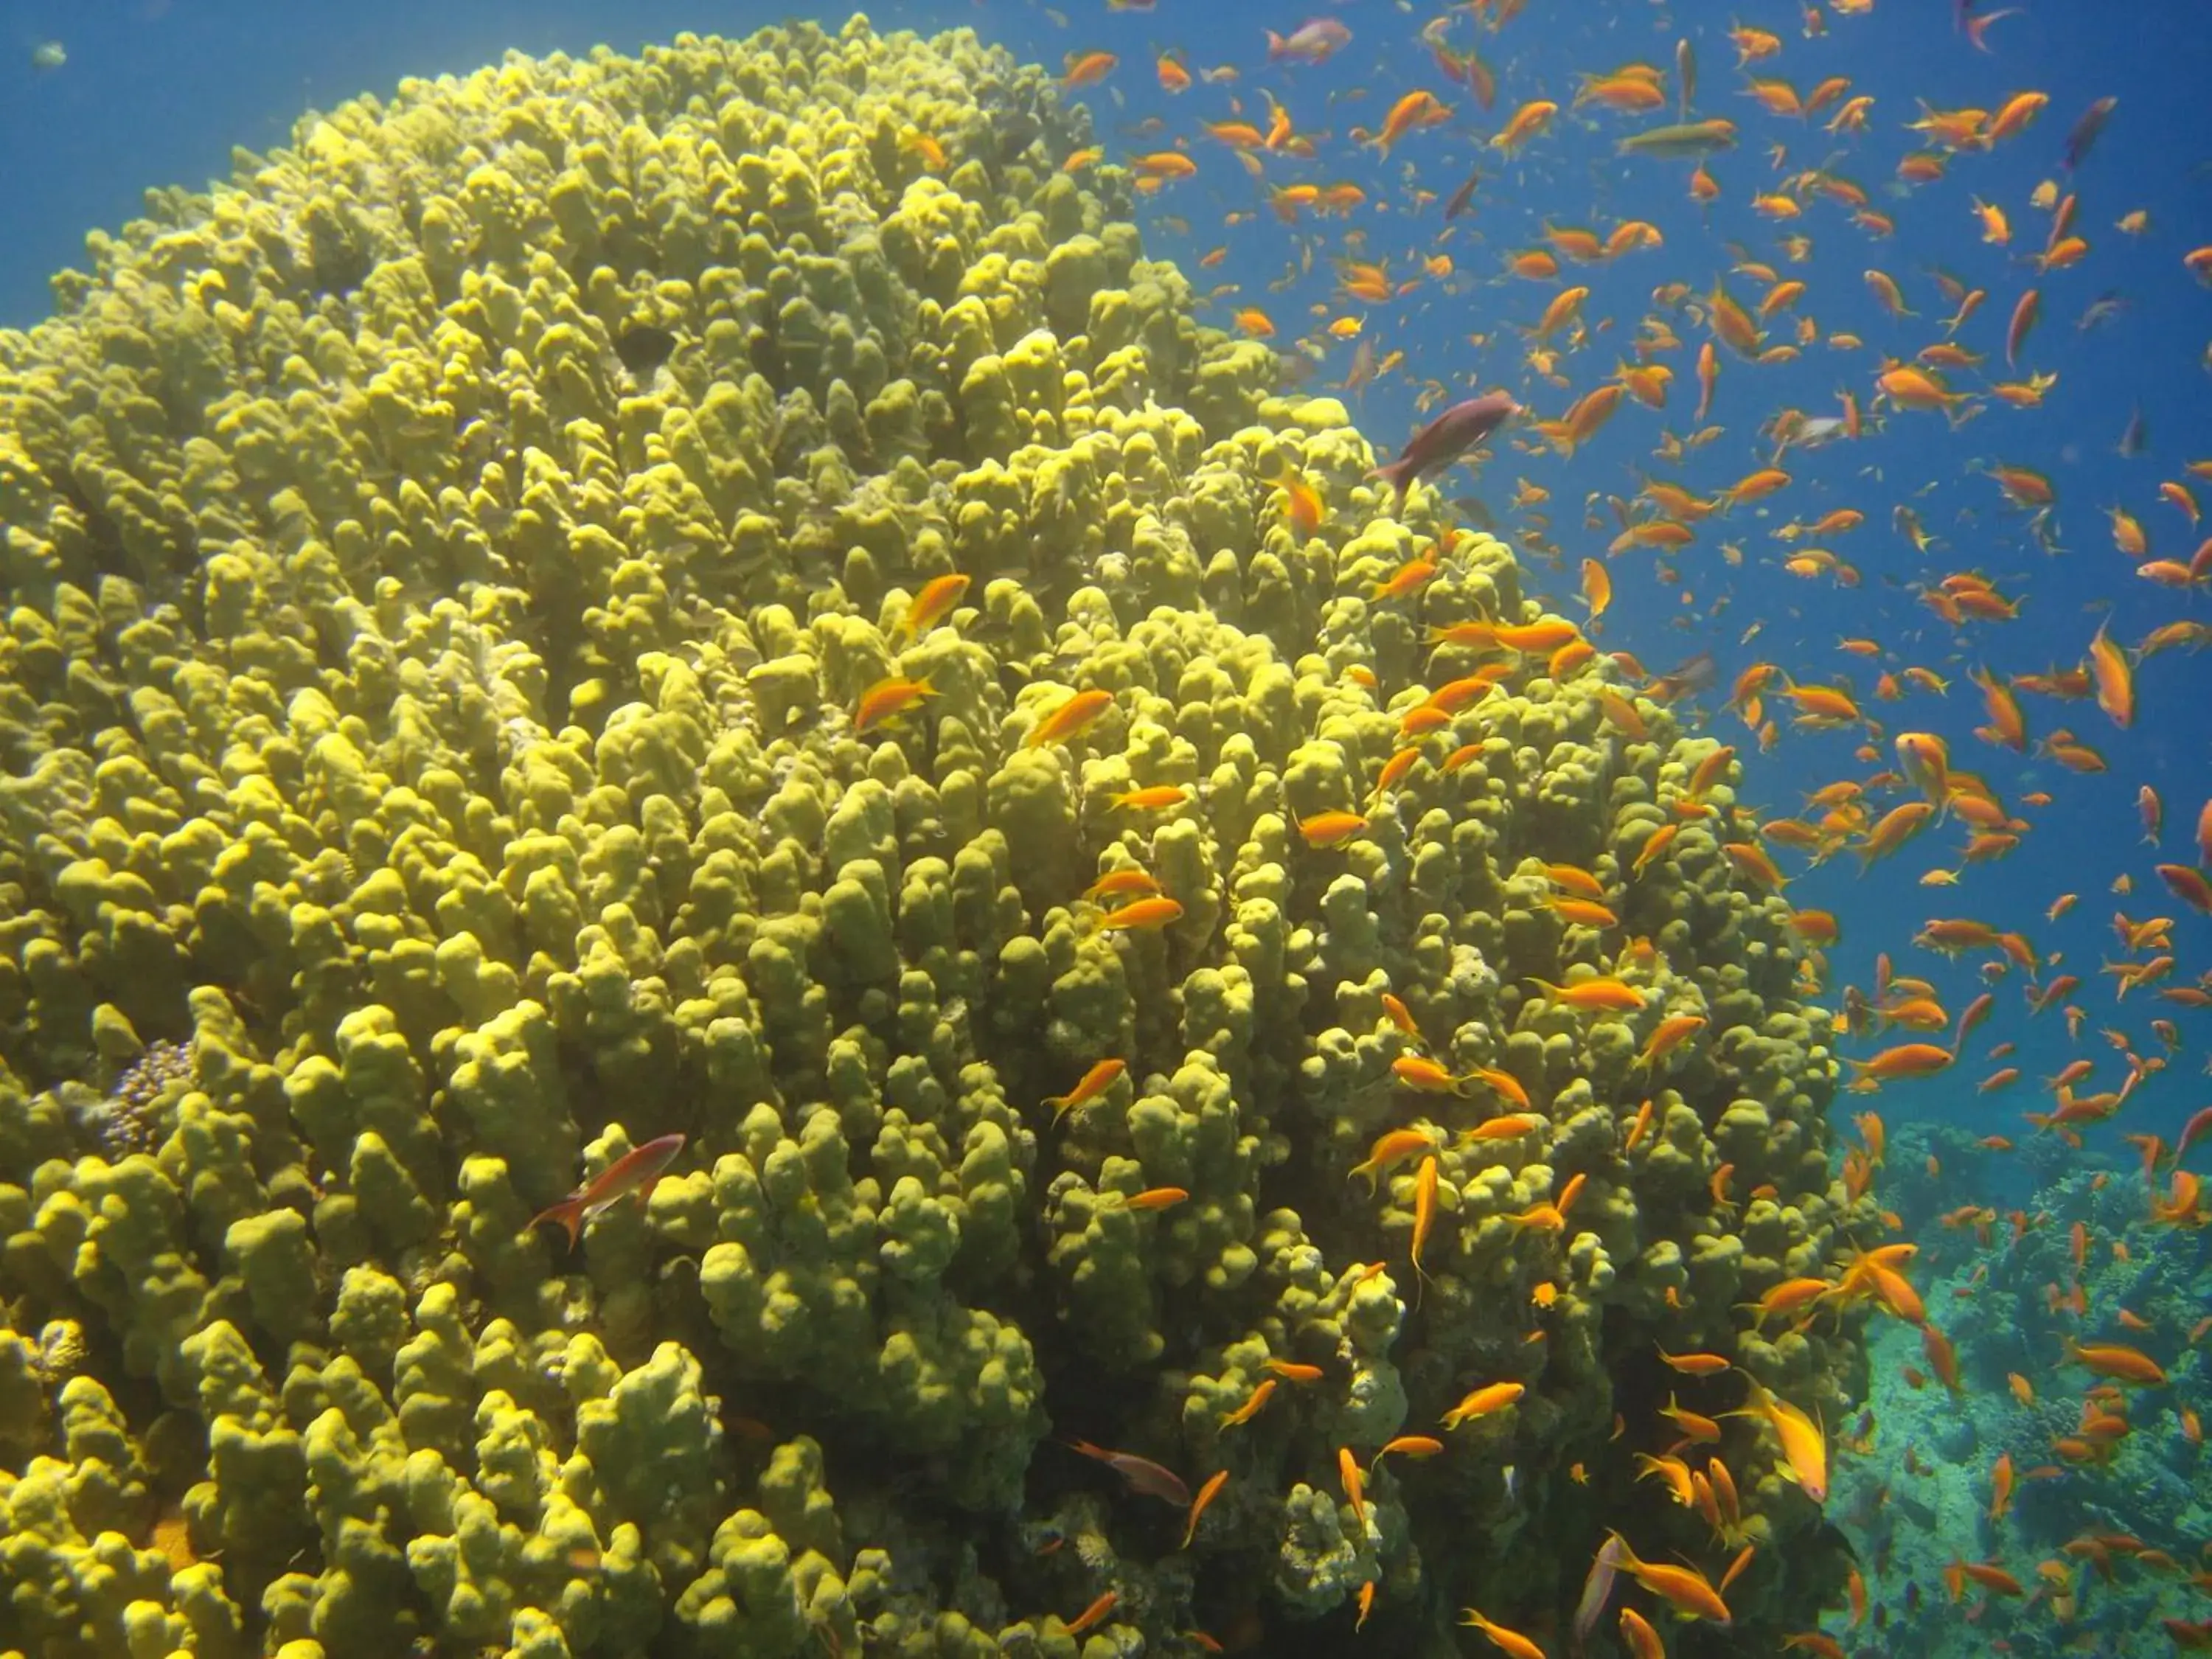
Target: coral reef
[(467, 715), (2057, 1482)]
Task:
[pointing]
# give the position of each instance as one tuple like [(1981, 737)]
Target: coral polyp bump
[(443, 563)]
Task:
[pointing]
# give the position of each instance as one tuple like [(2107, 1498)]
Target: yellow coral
[(443, 560)]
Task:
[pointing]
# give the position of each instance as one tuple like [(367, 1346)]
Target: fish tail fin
[(569, 1212), (1396, 475)]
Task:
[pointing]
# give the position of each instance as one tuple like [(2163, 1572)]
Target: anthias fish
[(634, 1171), (1684, 139), (1446, 439), (1313, 42)]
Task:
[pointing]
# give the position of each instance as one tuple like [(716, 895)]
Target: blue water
[(153, 95)]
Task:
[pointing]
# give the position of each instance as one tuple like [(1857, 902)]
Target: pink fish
[(1313, 42), (1446, 439), (634, 1171), (2085, 130), (1142, 1474), (1597, 1589), (2194, 1131)]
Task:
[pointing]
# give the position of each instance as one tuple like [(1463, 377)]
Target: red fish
[(634, 1171), (2023, 318), (1141, 1473), (2085, 130), (1446, 439)]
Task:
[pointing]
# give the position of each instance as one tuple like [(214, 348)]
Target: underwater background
[(2027, 1479)]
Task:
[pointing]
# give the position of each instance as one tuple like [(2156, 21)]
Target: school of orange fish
[(1966, 354)]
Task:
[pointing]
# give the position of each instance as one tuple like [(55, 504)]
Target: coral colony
[(1141, 1053)]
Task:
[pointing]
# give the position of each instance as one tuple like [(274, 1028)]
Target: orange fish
[(1990, 1576), (1122, 884), (2114, 677), (1070, 718), (1156, 798), (1392, 1148), (1510, 1643), (1599, 995), (1409, 578), (1417, 109), (1355, 1490), (1088, 68), (1424, 1214), (1483, 1402), (1206, 1494), (1692, 1426), (1157, 1198), (1302, 507), (1804, 1447), (888, 698), (1669, 1035), (1641, 1640), (1146, 914), (1531, 118), (931, 605), (1408, 1445), (1695, 1365), (1687, 1589), (1093, 1084), (1164, 164), (1331, 829), (1093, 1614), (2001, 1486), (2122, 1363), (1251, 1407)]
